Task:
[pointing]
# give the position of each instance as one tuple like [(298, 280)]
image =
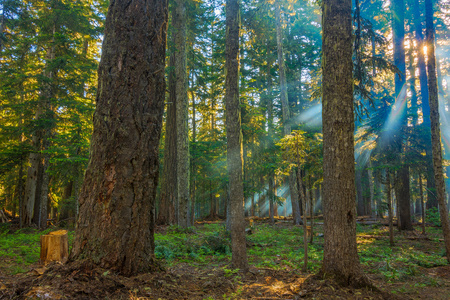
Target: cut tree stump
[(54, 247)]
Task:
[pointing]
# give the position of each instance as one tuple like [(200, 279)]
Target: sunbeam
[(393, 122), (312, 116)]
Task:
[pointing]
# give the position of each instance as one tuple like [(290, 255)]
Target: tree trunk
[(234, 137), (359, 193), (423, 79), (311, 209), (389, 203), (115, 227), (422, 204), (286, 114), (20, 189), (179, 37), (31, 183), (194, 166), (371, 190), (403, 198), (46, 135), (340, 257), (2, 25), (168, 196), (302, 197), (402, 188), (435, 126), (271, 202)]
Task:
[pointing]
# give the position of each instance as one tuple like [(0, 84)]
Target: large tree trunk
[(286, 114), (340, 257), (116, 223), (234, 137), (435, 126), (179, 34)]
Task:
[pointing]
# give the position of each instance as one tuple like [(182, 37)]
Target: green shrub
[(432, 216), (219, 242)]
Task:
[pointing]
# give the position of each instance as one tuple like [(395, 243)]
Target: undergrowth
[(278, 247), (20, 249)]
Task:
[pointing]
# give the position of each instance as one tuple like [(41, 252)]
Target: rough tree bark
[(234, 138), (435, 125), (116, 223), (286, 114), (179, 34), (398, 37), (340, 254), (423, 79)]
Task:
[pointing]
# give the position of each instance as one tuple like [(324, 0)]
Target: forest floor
[(196, 265)]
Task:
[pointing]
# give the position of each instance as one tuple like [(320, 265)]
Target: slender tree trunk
[(359, 193), (390, 214), (303, 199), (435, 125), (2, 25), (20, 189), (168, 196), (271, 204), (286, 114), (115, 228), (311, 210), (412, 86), (270, 130), (46, 136), (194, 166), (422, 204), (402, 188), (371, 189), (179, 34), (403, 195), (234, 137), (418, 205), (252, 211), (340, 257), (423, 79)]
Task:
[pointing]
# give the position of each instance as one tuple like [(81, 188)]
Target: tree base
[(355, 280)]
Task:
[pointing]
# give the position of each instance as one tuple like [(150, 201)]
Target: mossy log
[(54, 247)]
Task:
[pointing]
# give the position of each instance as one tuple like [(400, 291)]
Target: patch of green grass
[(22, 247), (188, 245)]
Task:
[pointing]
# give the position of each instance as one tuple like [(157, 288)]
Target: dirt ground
[(183, 281)]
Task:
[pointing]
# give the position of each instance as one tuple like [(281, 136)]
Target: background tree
[(435, 125), (234, 138)]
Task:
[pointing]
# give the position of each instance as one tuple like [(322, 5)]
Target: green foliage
[(185, 244), (21, 248), (432, 216)]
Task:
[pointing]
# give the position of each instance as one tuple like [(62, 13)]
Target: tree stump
[(54, 247)]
